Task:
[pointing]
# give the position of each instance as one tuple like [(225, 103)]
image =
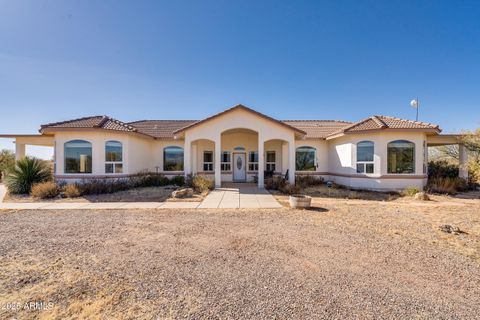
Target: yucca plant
[(27, 171)]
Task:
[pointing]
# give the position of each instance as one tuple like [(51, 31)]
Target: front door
[(239, 167)]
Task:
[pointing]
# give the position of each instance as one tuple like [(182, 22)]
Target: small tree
[(7, 161), (25, 173), (471, 139)]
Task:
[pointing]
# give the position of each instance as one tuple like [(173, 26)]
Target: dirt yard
[(344, 259)]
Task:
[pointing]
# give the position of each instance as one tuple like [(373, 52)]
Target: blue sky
[(189, 59)]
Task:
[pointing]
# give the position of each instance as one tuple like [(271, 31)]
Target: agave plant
[(27, 171)]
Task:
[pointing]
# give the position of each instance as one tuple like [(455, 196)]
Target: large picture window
[(305, 159), (207, 161), (253, 161), (113, 157), (365, 151), (401, 157), (78, 156), (173, 159)]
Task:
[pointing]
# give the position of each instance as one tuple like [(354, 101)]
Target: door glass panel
[(239, 163)]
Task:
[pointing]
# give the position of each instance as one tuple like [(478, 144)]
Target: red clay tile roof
[(102, 122), (161, 129), (385, 122), (318, 129)]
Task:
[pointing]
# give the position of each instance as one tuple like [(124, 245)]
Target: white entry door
[(239, 167)]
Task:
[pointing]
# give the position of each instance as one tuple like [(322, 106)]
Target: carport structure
[(452, 139)]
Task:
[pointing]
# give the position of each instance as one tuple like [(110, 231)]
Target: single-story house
[(243, 145)]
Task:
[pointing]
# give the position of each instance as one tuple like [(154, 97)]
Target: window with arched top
[(113, 157), (173, 159), (239, 149), (401, 157), (365, 151), (77, 156), (305, 158)]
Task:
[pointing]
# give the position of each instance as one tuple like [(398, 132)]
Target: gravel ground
[(343, 261)]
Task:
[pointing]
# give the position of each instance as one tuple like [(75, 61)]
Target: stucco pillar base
[(19, 150), (463, 161)]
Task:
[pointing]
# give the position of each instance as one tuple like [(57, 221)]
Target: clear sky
[(175, 59)]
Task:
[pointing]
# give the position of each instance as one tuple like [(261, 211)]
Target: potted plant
[(300, 201)]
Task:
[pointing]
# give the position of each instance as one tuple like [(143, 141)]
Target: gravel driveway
[(233, 264)]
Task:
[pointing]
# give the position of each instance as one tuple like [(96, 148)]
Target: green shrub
[(411, 191), (7, 162), (72, 191), (447, 185), (148, 179), (202, 184), (305, 181), (178, 181), (27, 171), (44, 190)]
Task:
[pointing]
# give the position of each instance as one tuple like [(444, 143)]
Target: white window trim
[(114, 163), (255, 164), (208, 163), (269, 163), (315, 162), (229, 163)]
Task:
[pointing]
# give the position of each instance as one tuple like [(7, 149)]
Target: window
[(173, 159), (365, 157), (305, 159), (401, 157), (271, 161), (253, 161), (113, 157), (226, 161), (78, 156), (207, 161)]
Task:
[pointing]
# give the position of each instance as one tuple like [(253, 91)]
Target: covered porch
[(21, 141)]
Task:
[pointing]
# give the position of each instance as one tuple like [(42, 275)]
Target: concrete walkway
[(232, 196)]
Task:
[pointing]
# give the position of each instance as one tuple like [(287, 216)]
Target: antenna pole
[(418, 106)]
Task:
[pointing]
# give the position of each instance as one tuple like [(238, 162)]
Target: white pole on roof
[(416, 104)]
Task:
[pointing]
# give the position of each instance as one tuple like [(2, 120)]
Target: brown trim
[(25, 135), (92, 176), (206, 172), (239, 106), (54, 130), (362, 176)]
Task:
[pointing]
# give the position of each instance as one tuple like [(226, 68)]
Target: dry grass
[(347, 258)]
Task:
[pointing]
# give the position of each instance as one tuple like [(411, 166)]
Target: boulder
[(183, 193), (421, 196)]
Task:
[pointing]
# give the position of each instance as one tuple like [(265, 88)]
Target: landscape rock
[(451, 229), (421, 196), (183, 193)]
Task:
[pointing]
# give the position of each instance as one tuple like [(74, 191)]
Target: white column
[(217, 160), (187, 161), (19, 150), (463, 165), (194, 158), (291, 161), (261, 160), (284, 157)]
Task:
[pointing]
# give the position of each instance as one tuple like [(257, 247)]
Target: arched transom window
[(365, 151), (173, 159), (78, 156), (113, 157), (305, 159), (401, 157)]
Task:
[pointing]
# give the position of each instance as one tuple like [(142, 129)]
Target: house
[(241, 144)]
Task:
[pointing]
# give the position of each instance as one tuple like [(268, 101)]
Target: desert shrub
[(178, 181), (25, 173), (72, 191), (148, 179), (442, 169), (411, 191), (275, 183), (99, 186), (446, 185), (201, 184), (7, 162), (290, 189), (305, 181), (44, 190)]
